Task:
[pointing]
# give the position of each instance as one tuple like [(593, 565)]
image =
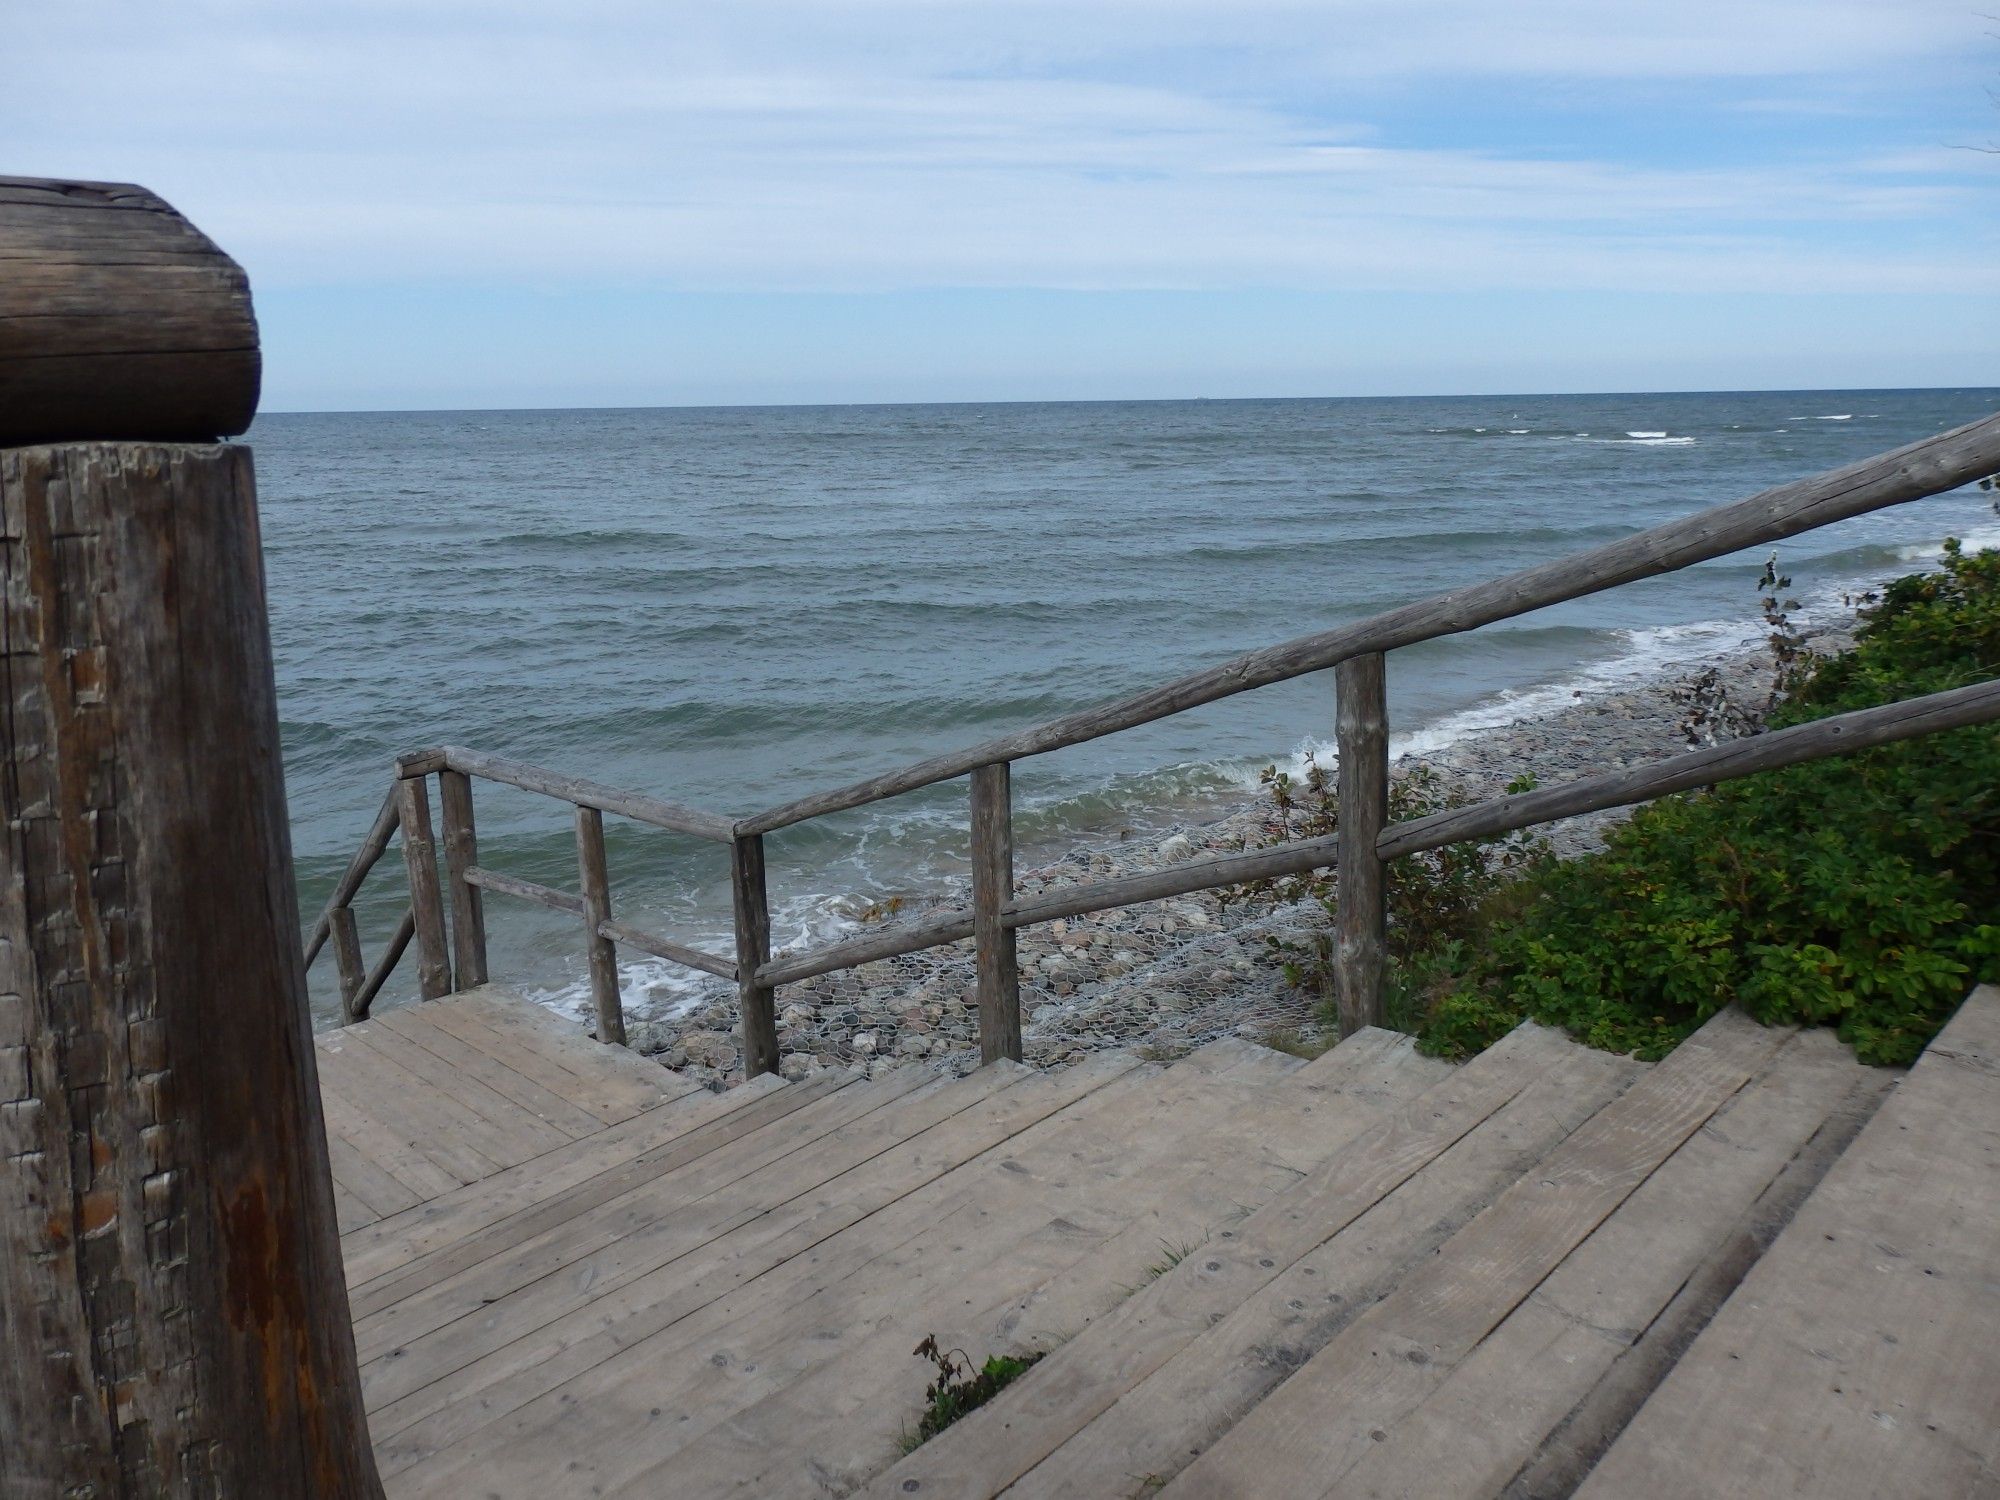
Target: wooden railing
[(1367, 842)]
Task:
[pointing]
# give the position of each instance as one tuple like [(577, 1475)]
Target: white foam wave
[(1646, 434), (1972, 539), (1845, 416), (1651, 441)]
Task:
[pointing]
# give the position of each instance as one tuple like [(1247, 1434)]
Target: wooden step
[(812, 1380), (841, 1421), (1083, 1378), (1861, 1356), (1304, 1437), (1155, 1426), (818, 1194), (1490, 1416), (532, 1280)]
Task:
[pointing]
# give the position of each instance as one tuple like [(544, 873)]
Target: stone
[(796, 1065), (709, 1049), (1175, 849), (864, 1043), (649, 1037), (913, 1046)]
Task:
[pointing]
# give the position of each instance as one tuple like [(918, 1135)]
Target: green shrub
[(1860, 892)]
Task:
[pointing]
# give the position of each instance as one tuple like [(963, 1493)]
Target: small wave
[(1643, 434), (1845, 416), (1645, 440)]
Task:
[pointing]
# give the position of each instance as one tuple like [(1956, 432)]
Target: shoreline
[(1171, 975)]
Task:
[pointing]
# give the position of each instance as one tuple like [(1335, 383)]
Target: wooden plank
[(403, 1239), (1080, 1379), (755, 995), (634, 805), (413, 814), (399, 942), (414, 1025), (384, 1148), (1120, 1168), (1314, 1427), (1491, 1415), (119, 320), (514, 1129), (998, 979), (1153, 1427), (667, 948), (461, 853), (533, 1053), (756, 1244), (549, 1192), (350, 1070), (371, 1185), (622, 1080), (599, 950), (350, 1212), (1361, 920), (344, 889), (347, 961), (167, 1215), (1861, 1356), (481, 878), (1929, 466), (452, 1322)]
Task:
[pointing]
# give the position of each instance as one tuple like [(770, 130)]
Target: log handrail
[(1915, 471)]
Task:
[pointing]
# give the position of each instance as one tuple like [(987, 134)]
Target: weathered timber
[(118, 319), (1361, 923), (413, 813), (599, 949), (347, 960), (755, 994), (634, 805), (1843, 734), (659, 947), (525, 890), (997, 969), (344, 889), (938, 928), (399, 944), (1927, 467), (461, 853), (173, 1318)]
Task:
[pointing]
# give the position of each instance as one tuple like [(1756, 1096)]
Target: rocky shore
[(1168, 976)]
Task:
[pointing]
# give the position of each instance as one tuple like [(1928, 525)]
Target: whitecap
[(1645, 434)]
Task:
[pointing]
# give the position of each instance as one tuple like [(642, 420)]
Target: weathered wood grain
[(997, 969), (1361, 920), (392, 954), (634, 805), (413, 815), (526, 890), (461, 853), (344, 889), (599, 950), (118, 320), (1861, 1356), (173, 1318), (755, 994), (347, 960)]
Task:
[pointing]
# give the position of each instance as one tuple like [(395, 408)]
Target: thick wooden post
[(753, 951), (1360, 920), (347, 961), (413, 812), (468, 903), (603, 953), (999, 978), (173, 1318)]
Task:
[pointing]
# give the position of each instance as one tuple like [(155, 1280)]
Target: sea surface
[(729, 607)]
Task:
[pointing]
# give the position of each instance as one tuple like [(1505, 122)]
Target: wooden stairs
[(1755, 1268)]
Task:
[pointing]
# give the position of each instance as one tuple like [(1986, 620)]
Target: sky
[(443, 203)]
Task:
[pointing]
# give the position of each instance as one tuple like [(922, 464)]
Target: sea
[(730, 607)]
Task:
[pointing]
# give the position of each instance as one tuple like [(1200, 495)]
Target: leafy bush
[(1854, 892)]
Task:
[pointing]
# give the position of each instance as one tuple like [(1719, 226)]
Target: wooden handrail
[(1912, 472)]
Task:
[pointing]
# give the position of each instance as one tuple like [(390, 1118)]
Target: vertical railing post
[(413, 812), (999, 980), (347, 960), (753, 951), (603, 952), (1360, 912), (461, 853)]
